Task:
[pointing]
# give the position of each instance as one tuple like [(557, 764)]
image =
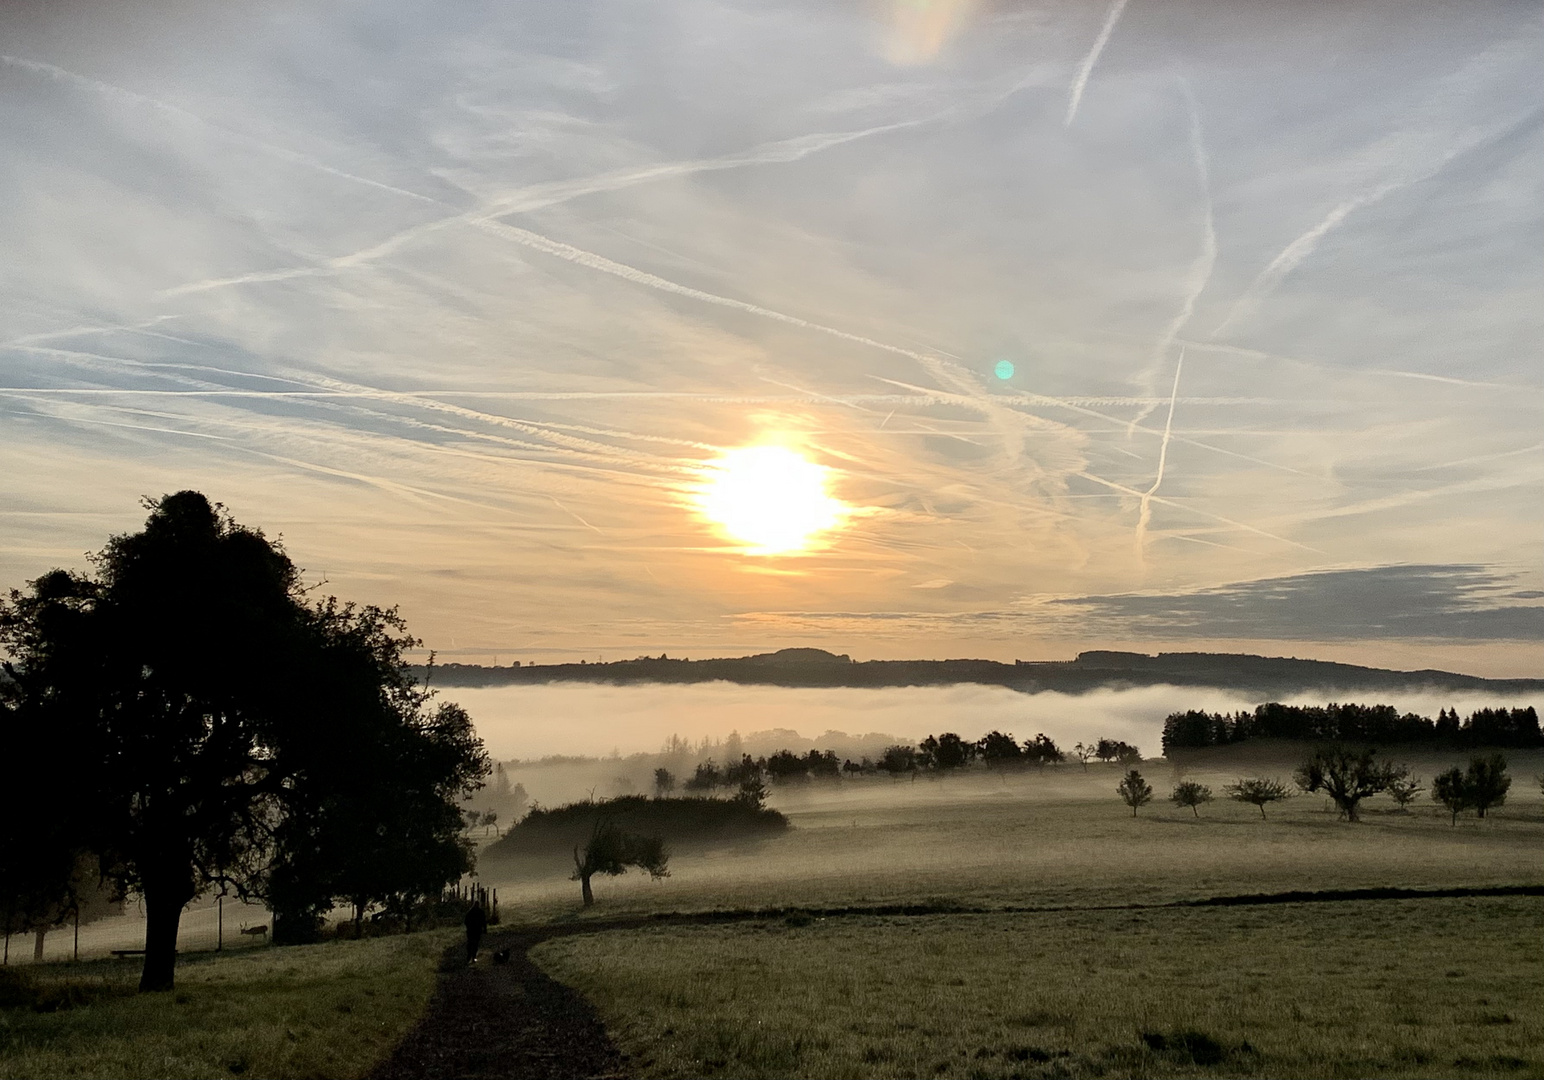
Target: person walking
[(476, 926)]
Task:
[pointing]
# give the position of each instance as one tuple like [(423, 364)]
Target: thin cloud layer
[(460, 301)]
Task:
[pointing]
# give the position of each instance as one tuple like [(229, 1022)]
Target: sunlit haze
[(953, 329), (769, 499)]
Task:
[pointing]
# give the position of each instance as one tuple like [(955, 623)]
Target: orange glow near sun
[(770, 499)]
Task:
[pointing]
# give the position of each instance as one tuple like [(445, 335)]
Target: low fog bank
[(533, 722)]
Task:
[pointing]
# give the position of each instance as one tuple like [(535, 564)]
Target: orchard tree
[(1448, 788), (1486, 782), (1191, 794), (1083, 752), (1347, 776), (1042, 750), (1404, 790), (947, 751), (1134, 791), (997, 749), (899, 759), (611, 851), (1258, 791)]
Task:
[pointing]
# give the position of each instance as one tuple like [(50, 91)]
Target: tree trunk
[(584, 889), (163, 914), (1480, 810), (37, 944), (359, 920), (1262, 811)]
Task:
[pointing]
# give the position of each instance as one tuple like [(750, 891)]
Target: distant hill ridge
[(1094, 670)]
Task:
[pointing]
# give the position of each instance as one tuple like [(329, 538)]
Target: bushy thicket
[(1378, 724), (676, 821)]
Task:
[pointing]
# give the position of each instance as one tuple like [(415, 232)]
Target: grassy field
[(1412, 988), (328, 1010)]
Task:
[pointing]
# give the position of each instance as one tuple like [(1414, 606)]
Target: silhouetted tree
[(899, 759), (664, 783), (823, 764), (1258, 791), (1042, 750), (1347, 776), (1191, 794), (1404, 790), (786, 767), (1134, 791), (946, 751), (753, 790), (1116, 750), (200, 695), (998, 750), (1448, 788), (611, 851), (706, 778), (1083, 752), (1486, 782)]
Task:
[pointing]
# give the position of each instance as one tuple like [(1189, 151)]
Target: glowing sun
[(770, 499)]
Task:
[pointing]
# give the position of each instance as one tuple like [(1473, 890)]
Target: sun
[(770, 499)]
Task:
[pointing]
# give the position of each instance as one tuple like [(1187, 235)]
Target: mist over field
[(530, 722)]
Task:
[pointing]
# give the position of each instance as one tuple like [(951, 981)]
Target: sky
[(1190, 325)]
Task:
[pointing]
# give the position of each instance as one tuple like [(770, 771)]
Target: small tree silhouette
[(1191, 794), (1448, 789), (753, 790), (1083, 752), (1404, 791), (611, 851), (1487, 782), (664, 782), (1134, 791), (1258, 791)]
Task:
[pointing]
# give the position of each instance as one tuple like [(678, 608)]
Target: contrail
[(1146, 513), (1086, 68), (553, 192), (59, 73), (1393, 153), (1200, 270), (593, 261)]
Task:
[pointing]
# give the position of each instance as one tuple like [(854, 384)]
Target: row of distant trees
[(1376, 724), (936, 754), (1348, 776), (189, 718)]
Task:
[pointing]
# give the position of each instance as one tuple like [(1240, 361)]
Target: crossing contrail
[(1086, 68)]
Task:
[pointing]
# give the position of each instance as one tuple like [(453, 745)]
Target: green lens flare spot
[(1004, 369)]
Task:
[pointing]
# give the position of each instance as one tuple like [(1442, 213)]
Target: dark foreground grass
[(1397, 988), (330, 1010)]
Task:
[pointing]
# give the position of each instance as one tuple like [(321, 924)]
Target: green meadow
[(330, 1010)]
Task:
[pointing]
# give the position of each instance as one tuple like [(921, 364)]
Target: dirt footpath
[(505, 1021)]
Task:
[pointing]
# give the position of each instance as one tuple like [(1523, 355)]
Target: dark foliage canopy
[(221, 729)]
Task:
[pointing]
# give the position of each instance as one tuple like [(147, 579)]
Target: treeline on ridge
[(1349, 723)]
